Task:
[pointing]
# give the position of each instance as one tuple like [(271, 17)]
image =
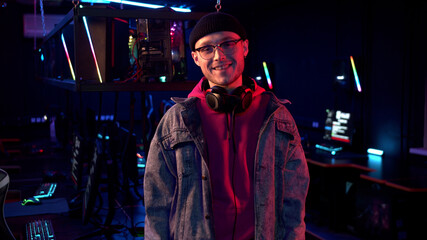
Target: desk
[(391, 172), (331, 180), (374, 197), (404, 176)]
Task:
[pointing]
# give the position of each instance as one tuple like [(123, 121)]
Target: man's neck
[(230, 87)]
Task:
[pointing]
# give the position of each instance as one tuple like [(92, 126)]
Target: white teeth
[(221, 67)]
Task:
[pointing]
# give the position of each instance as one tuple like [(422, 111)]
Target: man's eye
[(228, 44), (206, 49)]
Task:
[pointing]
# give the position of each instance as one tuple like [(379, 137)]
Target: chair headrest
[(4, 178)]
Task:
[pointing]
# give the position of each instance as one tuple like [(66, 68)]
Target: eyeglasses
[(228, 47)]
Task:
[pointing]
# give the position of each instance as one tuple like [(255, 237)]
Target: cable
[(233, 169)]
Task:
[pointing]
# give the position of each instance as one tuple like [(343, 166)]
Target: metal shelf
[(87, 83)]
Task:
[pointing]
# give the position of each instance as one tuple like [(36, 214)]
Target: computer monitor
[(77, 161), (339, 131), (123, 149), (339, 126), (114, 162), (100, 157)]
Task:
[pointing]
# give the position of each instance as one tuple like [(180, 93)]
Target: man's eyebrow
[(208, 43)]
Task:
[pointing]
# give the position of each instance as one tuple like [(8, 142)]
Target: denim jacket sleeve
[(176, 193), (281, 178), (296, 182), (159, 188)]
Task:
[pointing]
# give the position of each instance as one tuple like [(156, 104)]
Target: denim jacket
[(177, 187)]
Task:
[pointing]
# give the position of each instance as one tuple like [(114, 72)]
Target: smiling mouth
[(222, 67)]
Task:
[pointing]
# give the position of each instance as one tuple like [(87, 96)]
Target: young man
[(226, 162)]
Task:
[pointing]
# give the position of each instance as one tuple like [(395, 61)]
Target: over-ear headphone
[(219, 100)]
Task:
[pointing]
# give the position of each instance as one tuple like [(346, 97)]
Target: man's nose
[(218, 53)]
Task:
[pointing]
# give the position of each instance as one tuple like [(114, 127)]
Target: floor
[(42, 160)]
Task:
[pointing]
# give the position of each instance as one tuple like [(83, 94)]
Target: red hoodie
[(223, 159)]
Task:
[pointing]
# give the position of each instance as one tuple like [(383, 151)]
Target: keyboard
[(40, 230), (45, 190)]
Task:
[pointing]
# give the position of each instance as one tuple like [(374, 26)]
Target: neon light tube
[(138, 4), (49, 193), (68, 57), (92, 49), (375, 151), (356, 76), (181, 9), (267, 75), (97, 1)]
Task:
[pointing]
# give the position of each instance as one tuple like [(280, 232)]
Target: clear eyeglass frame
[(227, 47)]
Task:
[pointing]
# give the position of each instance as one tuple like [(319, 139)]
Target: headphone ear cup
[(219, 100), (215, 98), (244, 96)]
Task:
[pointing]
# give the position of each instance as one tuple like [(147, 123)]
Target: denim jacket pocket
[(284, 140), (286, 128), (179, 149)]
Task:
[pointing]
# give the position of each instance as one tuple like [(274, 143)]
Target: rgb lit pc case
[(98, 48)]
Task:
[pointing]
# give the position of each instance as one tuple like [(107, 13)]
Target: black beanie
[(215, 22)]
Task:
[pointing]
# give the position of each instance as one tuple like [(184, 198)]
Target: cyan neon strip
[(137, 4), (181, 9), (102, 137), (50, 192), (68, 57), (375, 151), (328, 148), (267, 75), (92, 49), (356, 76)]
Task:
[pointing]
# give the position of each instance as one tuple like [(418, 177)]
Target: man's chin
[(221, 82)]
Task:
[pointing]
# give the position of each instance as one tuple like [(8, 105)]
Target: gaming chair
[(5, 232)]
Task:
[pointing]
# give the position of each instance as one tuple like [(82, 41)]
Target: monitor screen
[(339, 126), (123, 149), (91, 193), (77, 162)]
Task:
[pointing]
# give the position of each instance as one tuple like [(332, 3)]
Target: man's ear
[(195, 58), (245, 47)]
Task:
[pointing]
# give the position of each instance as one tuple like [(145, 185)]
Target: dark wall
[(300, 40)]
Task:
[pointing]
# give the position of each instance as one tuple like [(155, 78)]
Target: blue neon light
[(92, 49), (267, 75), (356, 76), (137, 4), (68, 57), (375, 151)]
